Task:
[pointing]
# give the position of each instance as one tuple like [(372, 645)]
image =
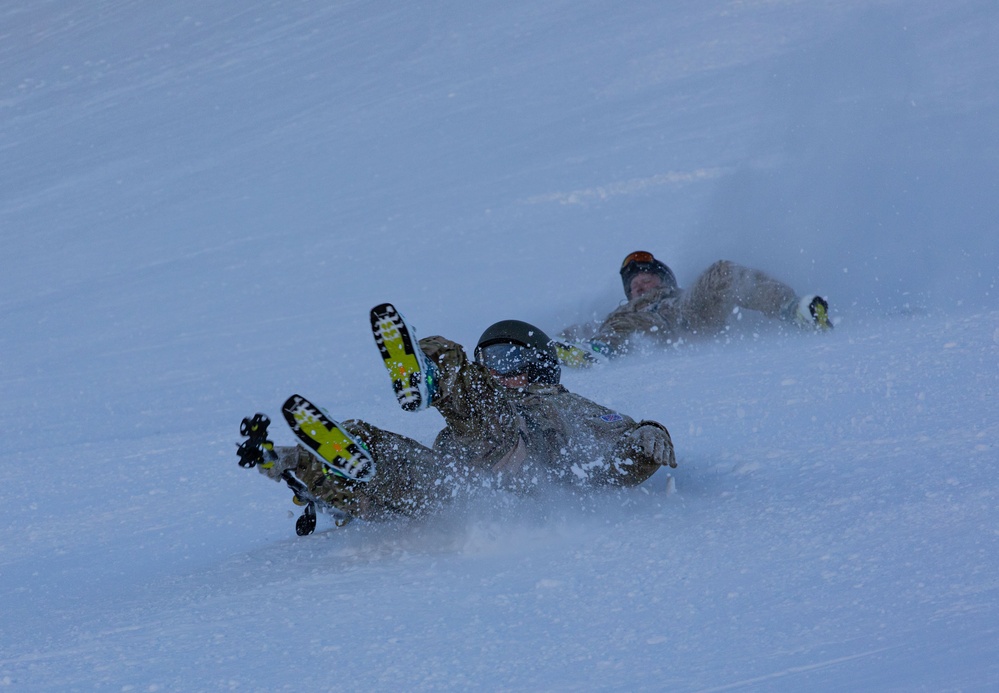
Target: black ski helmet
[(642, 261), (542, 362)]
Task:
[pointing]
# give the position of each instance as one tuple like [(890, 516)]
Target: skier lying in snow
[(510, 424), (658, 309)]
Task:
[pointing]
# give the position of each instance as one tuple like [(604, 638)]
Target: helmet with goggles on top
[(641, 261), (513, 347)]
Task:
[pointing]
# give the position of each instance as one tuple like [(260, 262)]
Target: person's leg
[(724, 286), (309, 470), (410, 478)]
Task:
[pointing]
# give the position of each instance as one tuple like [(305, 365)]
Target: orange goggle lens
[(640, 257)]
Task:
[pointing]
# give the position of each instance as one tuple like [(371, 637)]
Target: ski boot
[(414, 376), (306, 522), (810, 312), (311, 505)]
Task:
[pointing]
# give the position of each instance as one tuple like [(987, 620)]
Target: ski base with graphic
[(412, 375), (340, 453)]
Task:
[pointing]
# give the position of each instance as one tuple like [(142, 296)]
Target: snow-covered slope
[(199, 203)]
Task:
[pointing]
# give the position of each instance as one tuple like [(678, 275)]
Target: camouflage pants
[(482, 436), (725, 286), (411, 479)]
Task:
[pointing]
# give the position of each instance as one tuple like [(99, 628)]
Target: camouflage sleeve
[(597, 453), (622, 325), (483, 426), (623, 452)]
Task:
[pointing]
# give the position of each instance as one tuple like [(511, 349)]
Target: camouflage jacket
[(538, 430)]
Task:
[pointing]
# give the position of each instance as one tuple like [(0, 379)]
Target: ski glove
[(651, 440)]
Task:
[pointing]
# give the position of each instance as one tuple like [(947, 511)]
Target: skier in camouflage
[(659, 311), (510, 425)]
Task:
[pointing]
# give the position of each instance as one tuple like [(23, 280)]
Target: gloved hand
[(652, 441)]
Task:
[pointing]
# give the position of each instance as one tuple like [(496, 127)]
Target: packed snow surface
[(200, 202)]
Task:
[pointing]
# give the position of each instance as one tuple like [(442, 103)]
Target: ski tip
[(292, 401), (382, 314), (288, 409)]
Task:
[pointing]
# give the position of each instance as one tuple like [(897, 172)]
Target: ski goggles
[(505, 358), (639, 256)]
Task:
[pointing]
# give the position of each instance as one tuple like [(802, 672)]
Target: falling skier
[(510, 425), (658, 311)]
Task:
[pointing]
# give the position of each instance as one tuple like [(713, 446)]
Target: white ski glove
[(652, 441)]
